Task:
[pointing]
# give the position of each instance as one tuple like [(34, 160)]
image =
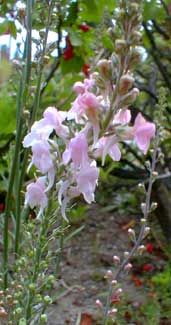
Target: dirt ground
[(86, 260)]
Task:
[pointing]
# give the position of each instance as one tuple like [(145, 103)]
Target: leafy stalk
[(142, 230), (33, 116), (22, 94), (23, 97)]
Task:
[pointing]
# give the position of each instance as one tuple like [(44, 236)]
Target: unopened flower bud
[(141, 249), (155, 174), (51, 279), (128, 267), (9, 297), (104, 67), (135, 57), (111, 33), (148, 164), (114, 282), (46, 58), (109, 274), (136, 36), (18, 311), (26, 114), (129, 98), (143, 207), (43, 318), (116, 259), (118, 291), (126, 254), (47, 300), (143, 221), (99, 303), (125, 84), (1, 293), (141, 186), (120, 45), (32, 287), (146, 231), (19, 287), (15, 302), (112, 312), (134, 6), (154, 206), (3, 313), (131, 234)]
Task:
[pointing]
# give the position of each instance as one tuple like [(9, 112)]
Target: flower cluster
[(74, 140)]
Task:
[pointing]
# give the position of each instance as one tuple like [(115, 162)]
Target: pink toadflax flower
[(108, 145), (122, 117), (80, 87), (54, 118), (86, 180), (41, 156), (143, 132), (85, 105), (42, 129), (35, 195), (77, 151)]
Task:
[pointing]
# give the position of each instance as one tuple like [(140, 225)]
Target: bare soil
[(85, 262)]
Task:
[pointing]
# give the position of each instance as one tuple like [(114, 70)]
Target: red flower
[(149, 248), (86, 69), (68, 53), (84, 27), (147, 267), (2, 207), (138, 282)]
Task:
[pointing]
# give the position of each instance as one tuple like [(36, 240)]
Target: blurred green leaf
[(152, 10), (7, 114), (73, 65)]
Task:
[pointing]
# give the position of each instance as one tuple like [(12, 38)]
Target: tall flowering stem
[(23, 90), (146, 210), (34, 113), (65, 145)]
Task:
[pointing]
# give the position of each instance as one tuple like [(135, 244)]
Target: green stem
[(40, 243), (22, 100), (61, 244), (41, 65), (36, 103), (142, 230), (34, 113)]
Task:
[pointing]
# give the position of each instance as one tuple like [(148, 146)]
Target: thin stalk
[(43, 233), (142, 230), (23, 98), (36, 269), (34, 113), (61, 245), (41, 66)]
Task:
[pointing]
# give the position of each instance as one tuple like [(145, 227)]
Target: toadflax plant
[(65, 147)]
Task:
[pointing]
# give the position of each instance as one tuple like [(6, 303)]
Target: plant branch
[(142, 230)]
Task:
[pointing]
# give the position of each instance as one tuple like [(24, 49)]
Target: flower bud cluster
[(77, 161)]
